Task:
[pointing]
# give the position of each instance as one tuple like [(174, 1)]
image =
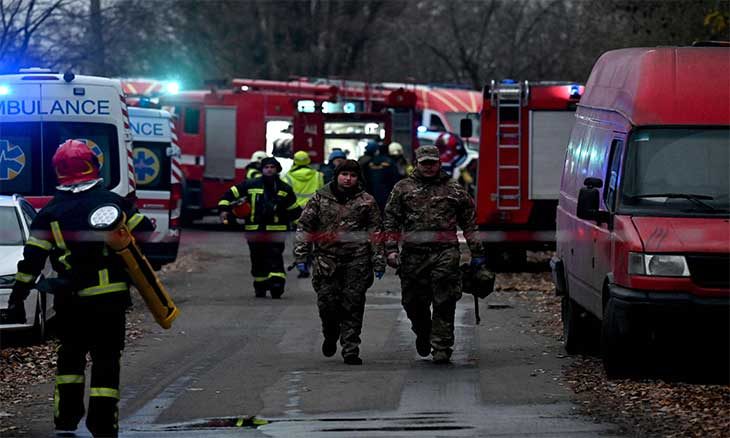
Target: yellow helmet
[(301, 158)]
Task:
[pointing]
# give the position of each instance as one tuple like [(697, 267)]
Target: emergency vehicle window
[(191, 120), (20, 158), (28, 212), (101, 139), (614, 164), (11, 233), (436, 124), (151, 165)]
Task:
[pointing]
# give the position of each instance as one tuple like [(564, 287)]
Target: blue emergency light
[(509, 81), (4, 90), (574, 91), (172, 87)]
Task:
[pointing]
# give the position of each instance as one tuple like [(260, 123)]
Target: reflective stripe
[(277, 274), (64, 379), (24, 278), (281, 193), (42, 244), (293, 206), (304, 195), (259, 279), (99, 290), (252, 227), (235, 192), (276, 228), (256, 191), (104, 392), (223, 202), (104, 277), (134, 221), (61, 244)]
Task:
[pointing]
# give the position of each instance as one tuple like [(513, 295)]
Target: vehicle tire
[(619, 350), (577, 330), (38, 332)]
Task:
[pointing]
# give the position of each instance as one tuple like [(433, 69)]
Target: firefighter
[(348, 220), (395, 150), (273, 208), (424, 209), (91, 292), (451, 150), (304, 180), (253, 169), (336, 157), (380, 173)]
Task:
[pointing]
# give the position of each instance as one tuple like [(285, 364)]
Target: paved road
[(231, 356)]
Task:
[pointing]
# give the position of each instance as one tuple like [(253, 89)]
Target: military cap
[(427, 153)]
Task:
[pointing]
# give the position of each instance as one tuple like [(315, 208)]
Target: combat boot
[(441, 356), (352, 359), (329, 347), (277, 291), (423, 344)]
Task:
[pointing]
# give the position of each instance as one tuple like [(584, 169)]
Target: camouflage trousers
[(431, 277), (341, 299)]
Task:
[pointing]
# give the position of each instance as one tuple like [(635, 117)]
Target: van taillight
[(175, 204)]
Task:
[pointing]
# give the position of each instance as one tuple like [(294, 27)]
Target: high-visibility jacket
[(78, 253), (305, 181), (273, 205)]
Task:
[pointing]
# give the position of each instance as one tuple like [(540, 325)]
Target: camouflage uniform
[(427, 211), (345, 256)]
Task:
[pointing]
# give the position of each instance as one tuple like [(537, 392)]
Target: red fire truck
[(220, 128), (525, 128)]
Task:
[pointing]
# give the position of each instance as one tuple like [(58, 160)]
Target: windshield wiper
[(696, 199)]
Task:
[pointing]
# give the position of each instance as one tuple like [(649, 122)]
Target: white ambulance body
[(157, 168), (40, 109)]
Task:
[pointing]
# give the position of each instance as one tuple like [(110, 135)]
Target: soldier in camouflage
[(423, 212), (340, 227)]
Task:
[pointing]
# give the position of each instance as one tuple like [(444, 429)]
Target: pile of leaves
[(646, 407), (651, 407)]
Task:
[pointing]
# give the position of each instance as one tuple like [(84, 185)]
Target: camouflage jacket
[(340, 231), (424, 213)]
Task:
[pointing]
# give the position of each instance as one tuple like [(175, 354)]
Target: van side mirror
[(589, 200), (465, 128)]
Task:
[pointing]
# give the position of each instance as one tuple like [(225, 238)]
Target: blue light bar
[(4, 90)]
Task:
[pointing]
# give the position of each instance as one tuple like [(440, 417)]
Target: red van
[(643, 232)]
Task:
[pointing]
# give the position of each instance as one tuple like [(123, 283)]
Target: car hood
[(691, 235), (9, 257)]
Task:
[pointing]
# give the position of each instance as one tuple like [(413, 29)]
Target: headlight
[(7, 280), (660, 265)]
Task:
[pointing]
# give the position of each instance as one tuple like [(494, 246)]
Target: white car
[(16, 214)]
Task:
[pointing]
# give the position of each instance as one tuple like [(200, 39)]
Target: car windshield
[(677, 171), (11, 233), (26, 150)]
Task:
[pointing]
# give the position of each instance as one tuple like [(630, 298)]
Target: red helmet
[(450, 146), (75, 163)]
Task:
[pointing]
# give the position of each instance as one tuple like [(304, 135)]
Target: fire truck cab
[(157, 169), (523, 135), (40, 109)]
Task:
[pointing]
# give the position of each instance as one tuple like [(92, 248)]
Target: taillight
[(176, 204)]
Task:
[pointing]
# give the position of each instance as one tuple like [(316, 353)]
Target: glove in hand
[(379, 274), (478, 261)]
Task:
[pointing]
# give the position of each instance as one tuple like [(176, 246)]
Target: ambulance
[(40, 109), (157, 169)]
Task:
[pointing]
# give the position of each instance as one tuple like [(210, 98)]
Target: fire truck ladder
[(507, 98)]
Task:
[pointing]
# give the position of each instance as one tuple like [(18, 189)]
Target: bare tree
[(20, 20)]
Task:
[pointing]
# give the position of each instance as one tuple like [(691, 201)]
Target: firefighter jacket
[(86, 266), (423, 213), (273, 204), (305, 181)]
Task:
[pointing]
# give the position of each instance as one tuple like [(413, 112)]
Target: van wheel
[(577, 327), (38, 332), (621, 353)]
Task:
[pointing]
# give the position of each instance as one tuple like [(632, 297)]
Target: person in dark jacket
[(336, 157), (91, 292), (380, 175), (273, 208)]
